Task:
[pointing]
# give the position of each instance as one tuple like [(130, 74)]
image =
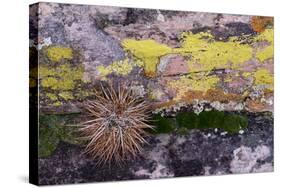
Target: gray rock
[(204, 152)]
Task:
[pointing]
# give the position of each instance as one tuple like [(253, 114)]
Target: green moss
[(57, 53), (53, 129), (186, 121), (162, 124), (212, 119), (234, 123)]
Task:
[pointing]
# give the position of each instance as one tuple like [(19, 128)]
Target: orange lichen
[(165, 104), (257, 106), (259, 23), (220, 95), (192, 95)]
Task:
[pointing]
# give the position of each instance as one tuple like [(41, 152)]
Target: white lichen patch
[(217, 105), (46, 42), (198, 106), (180, 140), (230, 106), (160, 171), (138, 90), (207, 170), (159, 155), (245, 159), (267, 167)]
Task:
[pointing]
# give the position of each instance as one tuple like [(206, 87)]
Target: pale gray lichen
[(246, 160), (159, 155)]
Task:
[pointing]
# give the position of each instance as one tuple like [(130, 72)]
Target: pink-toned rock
[(172, 65)]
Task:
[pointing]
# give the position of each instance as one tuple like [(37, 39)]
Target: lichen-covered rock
[(209, 80), (182, 52)]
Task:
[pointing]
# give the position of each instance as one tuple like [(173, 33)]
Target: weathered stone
[(96, 34), (204, 152), (172, 65)]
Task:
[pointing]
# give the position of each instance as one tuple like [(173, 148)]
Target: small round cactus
[(117, 126)]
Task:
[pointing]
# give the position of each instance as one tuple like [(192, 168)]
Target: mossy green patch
[(57, 53), (186, 121), (212, 119), (162, 124), (148, 51), (53, 129)]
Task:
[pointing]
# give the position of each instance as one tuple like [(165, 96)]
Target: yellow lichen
[(57, 103), (52, 96), (66, 95), (122, 67), (103, 71), (196, 83), (206, 53), (62, 77), (45, 71), (148, 51), (246, 74), (266, 35), (267, 52), (264, 77), (57, 53), (50, 82)]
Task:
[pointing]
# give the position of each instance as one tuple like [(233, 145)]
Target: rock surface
[(207, 152), (172, 59), (177, 52)]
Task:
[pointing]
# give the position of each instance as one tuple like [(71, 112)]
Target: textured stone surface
[(198, 61), (96, 34), (207, 152)]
